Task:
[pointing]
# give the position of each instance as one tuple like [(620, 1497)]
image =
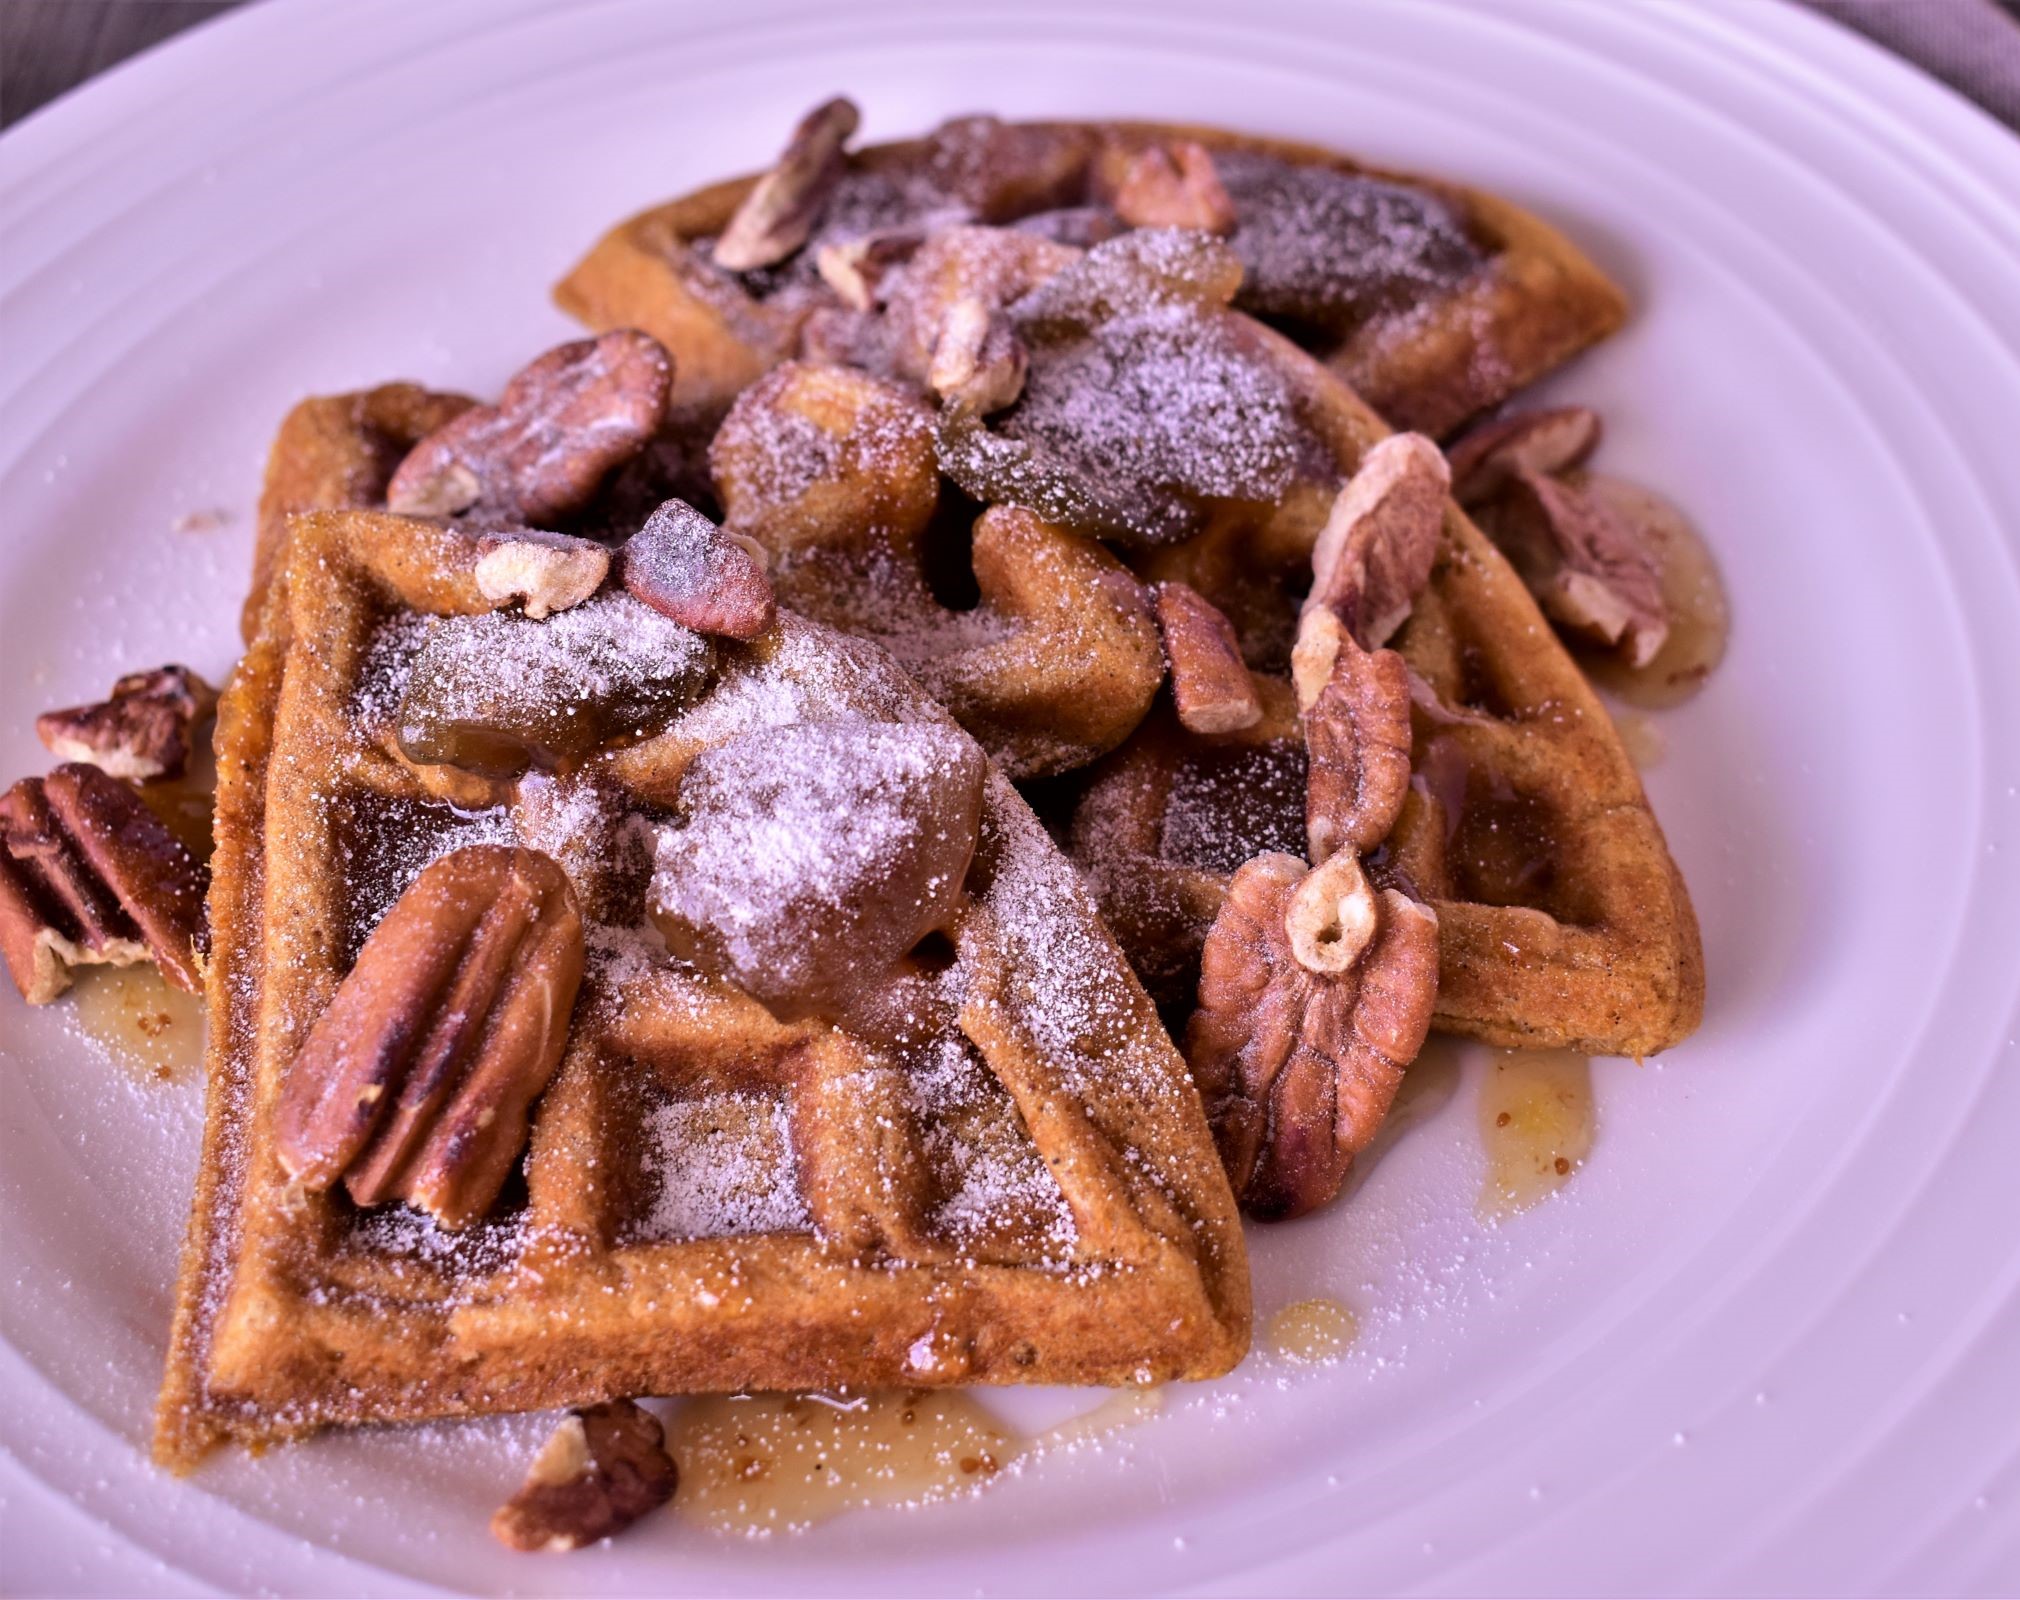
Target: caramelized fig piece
[(496, 693), (1001, 171), (1142, 405), (811, 858), (710, 580), (1329, 249)]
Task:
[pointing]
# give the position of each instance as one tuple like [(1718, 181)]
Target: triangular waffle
[(1014, 1185), (1429, 349), (1562, 919)]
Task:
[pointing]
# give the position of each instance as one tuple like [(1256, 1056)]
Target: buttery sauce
[(1700, 621), (185, 804), (1645, 742), (1536, 1122), (151, 1029), (1313, 1331), (779, 1463), (1123, 1408), (766, 1463)]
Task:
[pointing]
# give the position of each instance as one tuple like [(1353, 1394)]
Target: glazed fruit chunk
[(497, 693), (810, 858)]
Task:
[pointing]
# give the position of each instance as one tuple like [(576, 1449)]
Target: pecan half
[(1541, 441), (702, 576), (1210, 684), (416, 1082), (782, 207), (1356, 707), (540, 572), (141, 731), (1376, 551), (90, 875), (1584, 564), (564, 423), (1173, 186), (979, 363), (601, 1470), (1298, 1067)]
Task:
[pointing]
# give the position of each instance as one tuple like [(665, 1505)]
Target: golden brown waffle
[(1562, 919), (1427, 345), (334, 452), (1008, 1179)]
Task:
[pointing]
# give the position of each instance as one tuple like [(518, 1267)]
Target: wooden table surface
[(48, 46)]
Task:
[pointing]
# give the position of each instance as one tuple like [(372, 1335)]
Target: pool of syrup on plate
[(1537, 1122), (771, 1463)]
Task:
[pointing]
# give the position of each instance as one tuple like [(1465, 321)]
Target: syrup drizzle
[(1537, 1122), (773, 1463), (1643, 738), (1700, 622), (1313, 1331), (152, 1030)]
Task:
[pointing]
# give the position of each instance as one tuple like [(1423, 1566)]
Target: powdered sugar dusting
[(723, 1165), (992, 1180), (1225, 806), (1327, 249)]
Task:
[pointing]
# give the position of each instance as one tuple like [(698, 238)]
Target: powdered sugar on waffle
[(992, 1178), (724, 1165)]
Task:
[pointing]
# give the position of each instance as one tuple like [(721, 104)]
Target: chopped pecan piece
[(1584, 564), (416, 1082), (601, 1470), (563, 425), (1210, 684), (856, 268), (782, 207), (979, 363), (540, 572), (1541, 441), (702, 576), (90, 875), (141, 731), (1376, 551), (1356, 706), (1173, 186), (1298, 1067)]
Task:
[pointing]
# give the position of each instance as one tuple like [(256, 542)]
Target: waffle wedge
[(998, 1173), (1435, 300), (1562, 919)]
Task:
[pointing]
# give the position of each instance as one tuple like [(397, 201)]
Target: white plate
[(1769, 1338)]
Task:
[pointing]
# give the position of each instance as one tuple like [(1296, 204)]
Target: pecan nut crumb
[(1549, 442), (1210, 684), (779, 213), (1298, 1067), (89, 874), (417, 1081), (702, 576), (140, 731), (540, 572), (1376, 551), (601, 1470), (563, 425), (1174, 186), (856, 268), (978, 364)]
